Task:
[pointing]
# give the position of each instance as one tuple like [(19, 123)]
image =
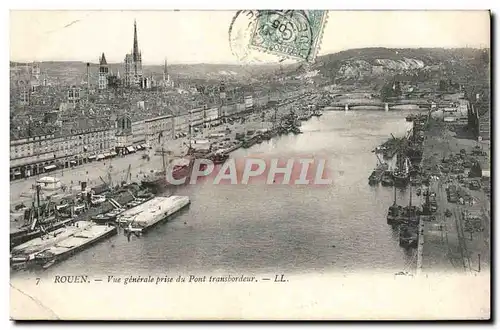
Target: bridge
[(352, 105)]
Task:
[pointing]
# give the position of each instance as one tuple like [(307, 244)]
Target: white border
[(190, 4)]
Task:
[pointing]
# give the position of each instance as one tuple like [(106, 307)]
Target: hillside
[(374, 63)]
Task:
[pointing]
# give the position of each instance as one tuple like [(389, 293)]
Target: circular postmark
[(267, 35), (240, 33)]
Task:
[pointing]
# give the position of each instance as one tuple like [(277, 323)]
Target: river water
[(280, 228)]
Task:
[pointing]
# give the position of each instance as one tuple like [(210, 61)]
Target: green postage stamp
[(294, 34)]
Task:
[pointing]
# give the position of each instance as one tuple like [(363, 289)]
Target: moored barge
[(145, 216)]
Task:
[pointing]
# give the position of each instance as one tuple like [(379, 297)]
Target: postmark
[(294, 34)]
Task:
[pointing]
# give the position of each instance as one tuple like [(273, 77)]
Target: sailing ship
[(41, 219), (158, 181), (408, 230), (402, 174)]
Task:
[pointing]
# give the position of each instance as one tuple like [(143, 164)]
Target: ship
[(149, 214), (387, 179), (408, 235), (40, 220), (218, 157), (402, 175), (158, 182), (317, 113), (376, 175), (76, 242), (409, 223), (394, 211), (393, 214), (22, 254)]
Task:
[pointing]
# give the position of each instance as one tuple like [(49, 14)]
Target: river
[(280, 228)]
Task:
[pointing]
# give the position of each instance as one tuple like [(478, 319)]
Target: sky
[(202, 36)]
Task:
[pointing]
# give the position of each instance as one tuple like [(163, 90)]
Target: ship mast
[(163, 159), (394, 195)]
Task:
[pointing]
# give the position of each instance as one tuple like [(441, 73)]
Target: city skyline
[(87, 34)]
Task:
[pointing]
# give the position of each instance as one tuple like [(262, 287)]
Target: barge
[(143, 217), (74, 243), (26, 233), (26, 252)]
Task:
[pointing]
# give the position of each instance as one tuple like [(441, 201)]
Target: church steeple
[(102, 61), (135, 53)]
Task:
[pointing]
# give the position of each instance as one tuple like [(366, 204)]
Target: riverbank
[(451, 243)]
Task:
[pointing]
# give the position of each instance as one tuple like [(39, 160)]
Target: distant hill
[(374, 63), (363, 64), (76, 71)]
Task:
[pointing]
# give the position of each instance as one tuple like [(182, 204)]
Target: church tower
[(103, 73), (133, 63), (166, 77)]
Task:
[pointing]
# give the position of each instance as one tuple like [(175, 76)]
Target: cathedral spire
[(135, 52), (102, 61)]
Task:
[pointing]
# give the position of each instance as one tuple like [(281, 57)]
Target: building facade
[(130, 135), (197, 117), (159, 130), (39, 154), (181, 124)]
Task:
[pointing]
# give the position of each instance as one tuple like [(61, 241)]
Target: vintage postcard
[(250, 165)]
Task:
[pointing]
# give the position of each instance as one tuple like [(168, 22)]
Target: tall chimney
[(88, 76)]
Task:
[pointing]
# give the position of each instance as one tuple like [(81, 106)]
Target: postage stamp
[(294, 34)]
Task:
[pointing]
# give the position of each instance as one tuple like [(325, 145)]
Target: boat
[(40, 220), (233, 147), (376, 175), (22, 254), (408, 235), (409, 223), (104, 218), (97, 199), (218, 157), (73, 244), (401, 179), (394, 212), (157, 182), (26, 233), (387, 179), (317, 113), (402, 175), (154, 211)]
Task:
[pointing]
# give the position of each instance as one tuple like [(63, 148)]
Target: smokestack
[(88, 75)]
